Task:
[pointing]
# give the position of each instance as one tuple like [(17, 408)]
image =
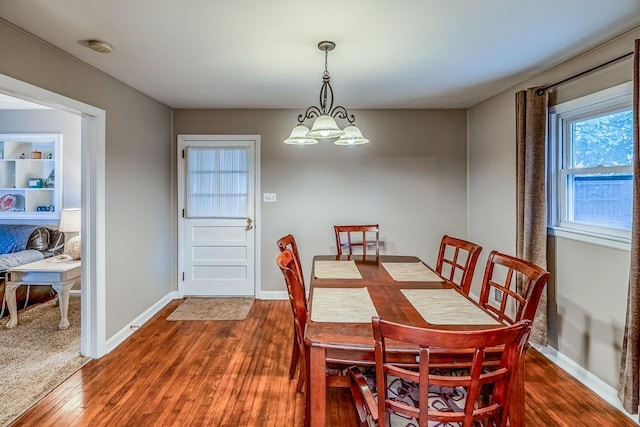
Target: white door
[(217, 238)]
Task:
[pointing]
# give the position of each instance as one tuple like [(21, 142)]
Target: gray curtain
[(531, 243), (628, 386)]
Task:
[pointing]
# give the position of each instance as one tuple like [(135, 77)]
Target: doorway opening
[(92, 202)]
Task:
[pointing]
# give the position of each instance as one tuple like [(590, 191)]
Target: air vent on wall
[(497, 295)]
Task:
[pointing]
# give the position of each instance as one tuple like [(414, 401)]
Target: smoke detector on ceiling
[(100, 46)]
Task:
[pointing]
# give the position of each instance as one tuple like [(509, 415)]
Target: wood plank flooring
[(234, 373)]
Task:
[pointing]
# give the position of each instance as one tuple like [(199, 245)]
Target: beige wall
[(590, 294), (411, 179), (589, 282), (139, 243)]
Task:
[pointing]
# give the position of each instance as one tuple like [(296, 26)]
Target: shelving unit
[(29, 166)]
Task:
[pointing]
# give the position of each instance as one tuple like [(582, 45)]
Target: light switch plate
[(269, 197)]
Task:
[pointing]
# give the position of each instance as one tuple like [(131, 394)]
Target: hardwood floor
[(234, 373)]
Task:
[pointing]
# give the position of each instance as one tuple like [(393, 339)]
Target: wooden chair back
[(284, 243), (365, 237), (289, 242), (457, 261), (292, 276), (503, 296), (507, 343), (289, 267)]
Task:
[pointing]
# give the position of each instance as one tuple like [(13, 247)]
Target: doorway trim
[(93, 298), (257, 220)]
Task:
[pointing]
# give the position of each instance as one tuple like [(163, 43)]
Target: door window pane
[(217, 182)]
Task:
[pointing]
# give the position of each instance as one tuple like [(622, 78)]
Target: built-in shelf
[(29, 164)]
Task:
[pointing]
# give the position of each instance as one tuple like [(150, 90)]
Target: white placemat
[(411, 272), (345, 305), (447, 307), (336, 270)]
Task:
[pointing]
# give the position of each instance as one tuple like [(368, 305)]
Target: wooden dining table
[(345, 292)]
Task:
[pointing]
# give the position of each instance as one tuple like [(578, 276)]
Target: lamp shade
[(352, 136), (299, 136), (325, 127), (70, 221)]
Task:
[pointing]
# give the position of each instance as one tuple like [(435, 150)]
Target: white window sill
[(592, 238)]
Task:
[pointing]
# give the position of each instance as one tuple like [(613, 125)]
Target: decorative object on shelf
[(36, 154), (35, 182), (7, 202), (43, 208), (70, 222), (12, 203), (22, 156), (49, 156), (50, 182), (325, 126)]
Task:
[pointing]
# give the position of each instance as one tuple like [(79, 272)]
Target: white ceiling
[(263, 54)]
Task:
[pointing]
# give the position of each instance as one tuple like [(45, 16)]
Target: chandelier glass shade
[(299, 136), (325, 125), (352, 136)]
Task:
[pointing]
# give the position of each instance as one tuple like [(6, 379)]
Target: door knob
[(249, 224)]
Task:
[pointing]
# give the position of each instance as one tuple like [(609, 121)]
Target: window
[(217, 182), (591, 153)]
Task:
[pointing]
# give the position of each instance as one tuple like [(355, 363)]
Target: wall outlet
[(269, 197)]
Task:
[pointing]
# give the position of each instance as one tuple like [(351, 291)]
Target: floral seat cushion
[(443, 399)]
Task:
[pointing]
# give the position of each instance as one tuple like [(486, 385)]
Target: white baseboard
[(272, 295), (124, 333), (602, 389)]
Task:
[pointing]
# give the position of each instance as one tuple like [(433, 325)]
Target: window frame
[(216, 190), (611, 100)]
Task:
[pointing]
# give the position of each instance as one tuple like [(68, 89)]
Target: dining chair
[(349, 237), (422, 395), (286, 260), (457, 261), (503, 296), (336, 370), (289, 242)]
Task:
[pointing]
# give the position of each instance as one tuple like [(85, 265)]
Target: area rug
[(232, 308), (36, 356)]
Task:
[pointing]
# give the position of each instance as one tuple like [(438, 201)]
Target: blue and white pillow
[(14, 237)]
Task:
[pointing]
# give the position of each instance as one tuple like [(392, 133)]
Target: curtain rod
[(590, 70)]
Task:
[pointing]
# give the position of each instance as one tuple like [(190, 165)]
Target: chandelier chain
[(326, 63), (326, 95)]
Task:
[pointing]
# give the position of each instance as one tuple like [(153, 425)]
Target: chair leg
[(307, 393), (302, 374), (295, 355)]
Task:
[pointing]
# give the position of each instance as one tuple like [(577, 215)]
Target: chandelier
[(325, 126)]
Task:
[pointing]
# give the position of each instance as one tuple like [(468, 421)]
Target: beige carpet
[(212, 309), (36, 356)]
